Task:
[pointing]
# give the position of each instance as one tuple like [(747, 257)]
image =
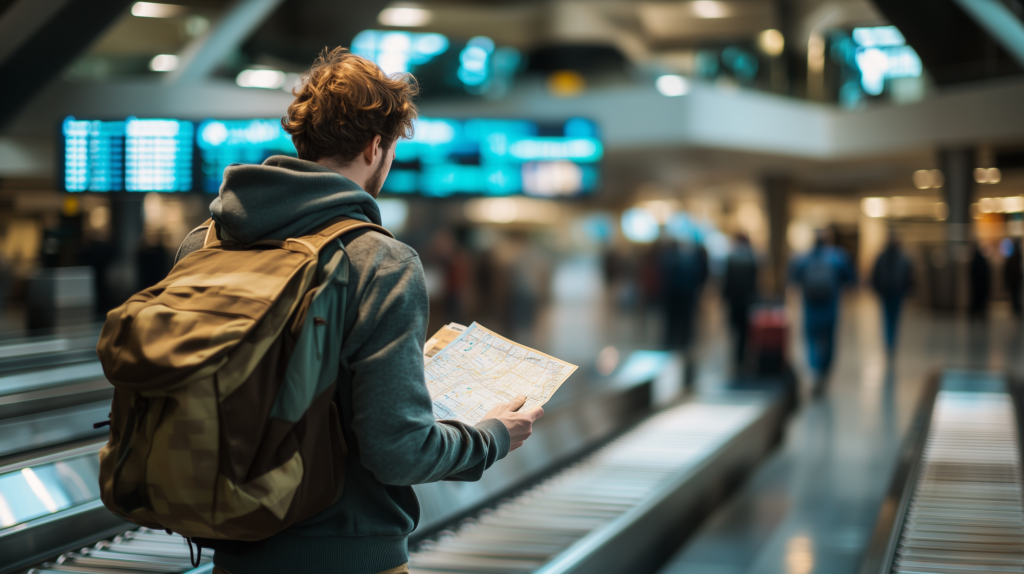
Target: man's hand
[(519, 424)]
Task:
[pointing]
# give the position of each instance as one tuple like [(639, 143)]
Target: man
[(892, 278), (980, 279), (1013, 274), (822, 274), (684, 270), (739, 290), (344, 122)]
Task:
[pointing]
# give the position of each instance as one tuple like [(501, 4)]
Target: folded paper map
[(441, 338), (471, 369)]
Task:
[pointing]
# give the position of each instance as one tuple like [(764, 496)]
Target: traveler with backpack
[(892, 278), (822, 274), (269, 398), (739, 290)]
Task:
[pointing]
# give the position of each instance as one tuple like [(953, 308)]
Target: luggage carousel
[(616, 474), (956, 503)]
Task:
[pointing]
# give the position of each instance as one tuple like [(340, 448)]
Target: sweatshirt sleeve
[(399, 440)]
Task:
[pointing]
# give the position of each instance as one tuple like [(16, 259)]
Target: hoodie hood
[(286, 197)]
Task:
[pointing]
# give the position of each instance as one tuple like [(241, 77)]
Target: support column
[(957, 165), (126, 224), (777, 192), (949, 265)]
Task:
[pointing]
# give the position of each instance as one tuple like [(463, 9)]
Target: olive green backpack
[(224, 423)]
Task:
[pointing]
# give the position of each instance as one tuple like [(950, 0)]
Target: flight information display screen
[(445, 157), (224, 142), (158, 155), (93, 155), (494, 157), (130, 155)]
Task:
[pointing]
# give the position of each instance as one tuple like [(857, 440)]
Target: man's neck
[(357, 174)]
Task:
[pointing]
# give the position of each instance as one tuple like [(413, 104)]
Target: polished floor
[(812, 506)]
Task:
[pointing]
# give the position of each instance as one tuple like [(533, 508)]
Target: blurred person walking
[(739, 290), (980, 279), (684, 270), (892, 278), (822, 274), (1013, 274)]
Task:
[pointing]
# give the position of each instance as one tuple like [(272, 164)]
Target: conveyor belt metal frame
[(888, 526), (627, 545), (25, 544), (565, 434), (881, 552)]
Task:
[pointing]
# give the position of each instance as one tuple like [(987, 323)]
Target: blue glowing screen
[(448, 157), (224, 142), (130, 155), (93, 155), (396, 51), (445, 157), (157, 155)]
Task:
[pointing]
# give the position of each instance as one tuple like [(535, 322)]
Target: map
[(441, 338), (480, 369)]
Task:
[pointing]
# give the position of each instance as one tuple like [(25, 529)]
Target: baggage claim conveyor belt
[(955, 505), (617, 473)]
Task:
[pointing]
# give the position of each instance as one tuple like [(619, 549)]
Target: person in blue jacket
[(822, 274)]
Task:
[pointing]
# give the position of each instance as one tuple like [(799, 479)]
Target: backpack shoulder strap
[(211, 232), (336, 228)]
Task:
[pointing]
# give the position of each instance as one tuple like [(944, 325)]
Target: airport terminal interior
[(780, 239)]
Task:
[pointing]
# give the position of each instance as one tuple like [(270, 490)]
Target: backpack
[(819, 281), (224, 424)]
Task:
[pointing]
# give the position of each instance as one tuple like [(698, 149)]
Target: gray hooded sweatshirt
[(393, 439)]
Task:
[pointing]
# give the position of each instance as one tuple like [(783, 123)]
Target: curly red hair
[(344, 101)]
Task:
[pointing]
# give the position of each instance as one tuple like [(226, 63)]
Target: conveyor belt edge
[(560, 436), (675, 512), (28, 543), (888, 526)]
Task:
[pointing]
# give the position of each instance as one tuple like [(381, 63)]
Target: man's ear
[(370, 152)]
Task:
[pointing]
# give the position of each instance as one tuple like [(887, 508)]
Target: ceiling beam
[(21, 20), (1001, 24), (201, 57), (54, 45)]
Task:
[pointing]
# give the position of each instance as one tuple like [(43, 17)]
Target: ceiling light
[(407, 16), (157, 10), (875, 206), (928, 178), (987, 175), (672, 85), (771, 42), (709, 9), (268, 79), (164, 63), (922, 179)]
